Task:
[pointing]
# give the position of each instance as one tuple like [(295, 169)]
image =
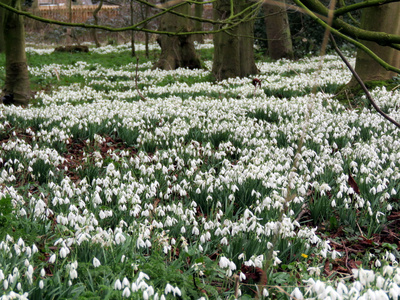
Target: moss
[(353, 96)]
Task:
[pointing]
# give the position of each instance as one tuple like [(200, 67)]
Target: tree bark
[(17, 86), (385, 18), (1, 31), (177, 51), (96, 22), (197, 25), (278, 32), (233, 50), (355, 32), (133, 50)]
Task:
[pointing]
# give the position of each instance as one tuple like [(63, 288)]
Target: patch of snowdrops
[(207, 170)]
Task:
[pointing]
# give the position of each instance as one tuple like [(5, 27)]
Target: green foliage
[(6, 216)]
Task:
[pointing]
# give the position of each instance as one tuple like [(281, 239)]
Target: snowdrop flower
[(96, 262), (314, 271), (168, 289), (52, 259), (117, 285), (224, 262), (126, 293), (342, 289), (297, 294)]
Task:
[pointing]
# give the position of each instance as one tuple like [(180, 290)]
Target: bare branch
[(359, 80), (347, 38), (368, 3), (382, 38), (224, 24)]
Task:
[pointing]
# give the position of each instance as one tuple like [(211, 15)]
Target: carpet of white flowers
[(198, 189)]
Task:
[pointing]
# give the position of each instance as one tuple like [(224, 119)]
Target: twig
[(347, 256), (283, 291), (359, 228), (302, 212), (136, 80), (57, 74), (236, 285), (359, 80)]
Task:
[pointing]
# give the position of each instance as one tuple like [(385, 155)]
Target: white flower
[(177, 291), (380, 281), (117, 285), (125, 282), (342, 289), (63, 252), (52, 259), (126, 293), (73, 274), (168, 289), (297, 294), (242, 276), (224, 262), (96, 262)]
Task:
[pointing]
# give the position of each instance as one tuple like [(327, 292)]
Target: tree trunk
[(177, 51), (385, 18), (133, 50), (145, 11), (17, 86), (278, 32), (1, 31), (197, 25), (96, 22), (233, 50)]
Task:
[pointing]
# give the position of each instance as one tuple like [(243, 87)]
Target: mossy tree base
[(233, 49), (352, 95), (177, 51)]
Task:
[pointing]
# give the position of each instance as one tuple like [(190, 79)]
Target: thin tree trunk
[(385, 18), (177, 51), (133, 51), (1, 31), (233, 50), (145, 11), (146, 43), (69, 31), (197, 25), (278, 32), (17, 86), (96, 22)]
